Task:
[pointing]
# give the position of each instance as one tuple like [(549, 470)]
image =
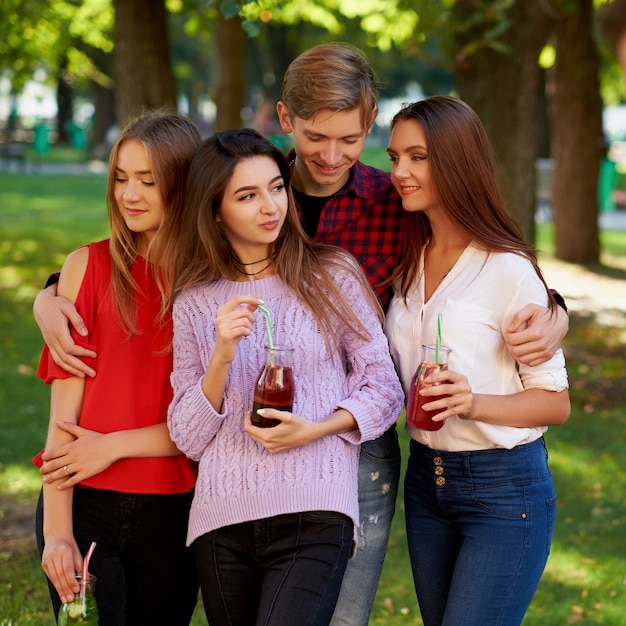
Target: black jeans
[(145, 574), (283, 570)]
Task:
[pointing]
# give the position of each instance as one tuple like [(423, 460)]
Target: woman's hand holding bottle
[(458, 398)]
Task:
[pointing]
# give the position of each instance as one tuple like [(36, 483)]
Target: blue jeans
[(144, 573), (479, 528), (282, 570), (379, 475)]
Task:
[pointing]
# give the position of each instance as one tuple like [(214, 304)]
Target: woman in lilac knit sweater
[(275, 510)]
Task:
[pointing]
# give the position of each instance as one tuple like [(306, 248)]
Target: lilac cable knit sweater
[(239, 480)]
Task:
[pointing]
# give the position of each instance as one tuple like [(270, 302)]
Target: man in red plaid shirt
[(329, 104)]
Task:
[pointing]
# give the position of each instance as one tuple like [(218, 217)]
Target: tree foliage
[(387, 23), (60, 37)]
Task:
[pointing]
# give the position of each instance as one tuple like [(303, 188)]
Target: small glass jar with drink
[(434, 359), (274, 388)]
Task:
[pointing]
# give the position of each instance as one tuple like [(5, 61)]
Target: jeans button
[(438, 471), (440, 481), (438, 460)]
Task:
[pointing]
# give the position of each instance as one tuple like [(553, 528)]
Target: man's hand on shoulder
[(535, 334), (54, 315)]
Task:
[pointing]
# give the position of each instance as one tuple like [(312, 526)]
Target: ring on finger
[(67, 469)]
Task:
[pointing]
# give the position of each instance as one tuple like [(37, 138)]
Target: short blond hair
[(330, 77)]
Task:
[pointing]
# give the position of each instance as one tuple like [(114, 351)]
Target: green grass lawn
[(43, 218)]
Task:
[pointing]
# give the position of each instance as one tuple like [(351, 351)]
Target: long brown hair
[(305, 266), (170, 141), (463, 172)]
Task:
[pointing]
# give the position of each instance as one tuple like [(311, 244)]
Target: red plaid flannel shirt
[(366, 218)]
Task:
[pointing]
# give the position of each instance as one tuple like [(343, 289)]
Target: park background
[(545, 79)]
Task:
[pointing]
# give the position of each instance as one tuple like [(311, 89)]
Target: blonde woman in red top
[(112, 474)]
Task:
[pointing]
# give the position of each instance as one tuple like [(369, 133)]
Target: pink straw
[(83, 585)]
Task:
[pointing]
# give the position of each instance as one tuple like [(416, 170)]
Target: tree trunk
[(103, 119), (230, 82), (65, 108), (143, 72), (501, 86), (613, 23), (577, 141), (280, 55)]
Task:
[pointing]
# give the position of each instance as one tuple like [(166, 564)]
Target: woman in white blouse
[(479, 497)]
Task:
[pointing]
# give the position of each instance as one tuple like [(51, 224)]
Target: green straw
[(438, 340), (268, 323)]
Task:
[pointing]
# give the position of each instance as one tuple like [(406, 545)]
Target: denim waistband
[(479, 454), (523, 464)]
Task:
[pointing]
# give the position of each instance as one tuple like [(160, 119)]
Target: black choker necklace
[(236, 260), (253, 275)]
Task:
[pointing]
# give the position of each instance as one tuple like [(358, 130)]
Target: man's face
[(327, 146)]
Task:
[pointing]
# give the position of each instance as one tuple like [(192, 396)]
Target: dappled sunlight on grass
[(20, 481), (583, 465), (585, 580), (44, 218), (577, 583), (574, 590), (568, 568)]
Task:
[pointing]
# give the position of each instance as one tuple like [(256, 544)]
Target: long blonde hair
[(170, 141), (306, 266)]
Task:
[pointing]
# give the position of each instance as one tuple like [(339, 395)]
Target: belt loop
[(466, 456)]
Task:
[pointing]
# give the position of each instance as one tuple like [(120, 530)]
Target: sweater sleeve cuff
[(193, 422), (367, 428), (201, 406)]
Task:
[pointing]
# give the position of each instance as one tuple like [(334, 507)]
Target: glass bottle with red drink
[(274, 388), (434, 359)]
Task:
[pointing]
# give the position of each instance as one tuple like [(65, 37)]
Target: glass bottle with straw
[(434, 359), (83, 608), (274, 388)]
